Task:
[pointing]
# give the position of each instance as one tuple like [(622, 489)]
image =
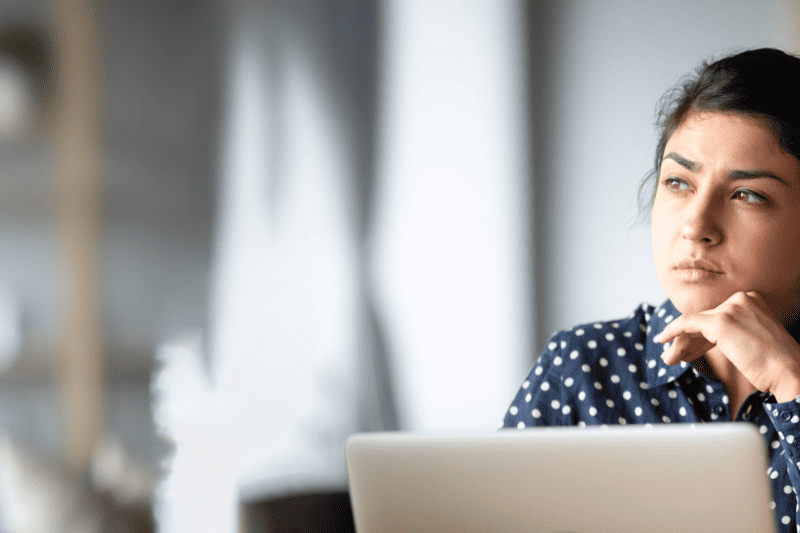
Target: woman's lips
[(697, 270)]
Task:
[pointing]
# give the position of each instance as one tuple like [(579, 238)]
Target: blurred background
[(232, 233)]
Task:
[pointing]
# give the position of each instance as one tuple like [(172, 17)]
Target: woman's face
[(726, 215)]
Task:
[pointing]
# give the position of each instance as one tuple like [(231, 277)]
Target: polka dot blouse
[(612, 373)]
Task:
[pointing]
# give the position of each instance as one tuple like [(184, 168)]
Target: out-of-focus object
[(117, 471), (78, 186), (10, 327), (198, 491), (37, 497), (17, 105)]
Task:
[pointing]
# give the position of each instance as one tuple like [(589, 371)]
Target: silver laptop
[(664, 478)]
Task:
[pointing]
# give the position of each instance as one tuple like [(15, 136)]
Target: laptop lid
[(663, 478)]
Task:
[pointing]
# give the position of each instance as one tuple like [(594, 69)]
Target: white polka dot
[(563, 344), (649, 329), (682, 411), (668, 319), (579, 332), (592, 410), (568, 382), (666, 419), (651, 363), (574, 354), (622, 421), (592, 344), (609, 336), (638, 411), (545, 386), (585, 368), (772, 505), (513, 410), (614, 378), (528, 397), (762, 429), (621, 352), (638, 346), (581, 395), (603, 361), (627, 334), (775, 444), (597, 385), (644, 386), (725, 399), (581, 424), (785, 520), (557, 360), (615, 324), (598, 326), (566, 409), (787, 489), (672, 394), (701, 396), (662, 371), (610, 402), (536, 413), (654, 401), (552, 346), (774, 474), (555, 404), (538, 371), (632, 369), (661, 312), (670, 379), (641, 327), (714, 416), (795, 419), (626, 395), (684, 364), (790, 439), (526, 384), (709, 389)]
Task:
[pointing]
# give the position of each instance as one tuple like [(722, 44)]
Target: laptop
[(663, 478)]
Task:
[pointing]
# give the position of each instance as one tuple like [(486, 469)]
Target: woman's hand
[(747, 333)]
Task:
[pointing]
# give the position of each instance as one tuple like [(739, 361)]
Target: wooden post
[(78, 169)]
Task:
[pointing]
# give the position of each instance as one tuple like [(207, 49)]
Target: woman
[(726, 245)]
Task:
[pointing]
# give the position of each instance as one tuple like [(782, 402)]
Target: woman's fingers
[(686, 347)]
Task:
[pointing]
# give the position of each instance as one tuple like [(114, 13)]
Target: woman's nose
[(701, 222)]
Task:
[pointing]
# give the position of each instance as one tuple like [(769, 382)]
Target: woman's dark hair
[(763, 84)]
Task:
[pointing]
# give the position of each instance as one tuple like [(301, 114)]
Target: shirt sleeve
[(786, 419), (542, 399)]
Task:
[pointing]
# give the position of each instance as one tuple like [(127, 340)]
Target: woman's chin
[(697, 301)]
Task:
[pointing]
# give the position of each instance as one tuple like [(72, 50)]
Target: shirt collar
[(656, 372)]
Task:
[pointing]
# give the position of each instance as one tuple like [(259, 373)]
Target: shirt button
[(786, 415), (719, 409)]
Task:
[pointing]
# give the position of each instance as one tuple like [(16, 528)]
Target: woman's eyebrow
[(753, 174), (682, 161), (693, 166)]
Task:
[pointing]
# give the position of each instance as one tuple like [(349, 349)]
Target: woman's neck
[(715, 364)]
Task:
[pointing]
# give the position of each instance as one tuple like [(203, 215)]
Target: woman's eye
[(749, 196), (675, 184)]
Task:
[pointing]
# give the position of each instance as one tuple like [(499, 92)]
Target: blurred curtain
[(342, 302)]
